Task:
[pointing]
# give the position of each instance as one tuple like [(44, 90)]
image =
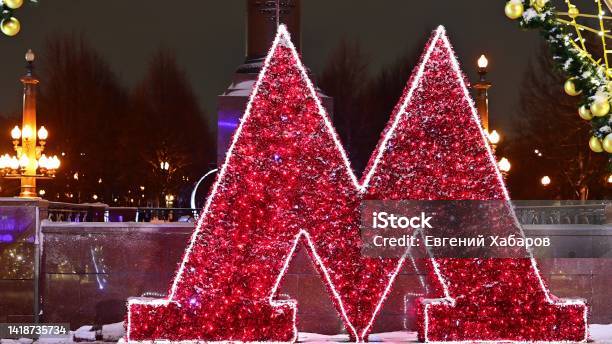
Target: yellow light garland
[(573, 13)]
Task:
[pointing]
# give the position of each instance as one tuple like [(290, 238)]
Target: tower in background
[(261, 29)]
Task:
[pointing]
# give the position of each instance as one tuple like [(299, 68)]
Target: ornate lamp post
[(482, 105), (482, 92), (29, 163)]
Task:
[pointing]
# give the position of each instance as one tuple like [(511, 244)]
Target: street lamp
[(494, 139), (29, 163), (169, 201), (483, 63), (504, 165), (482, 89)]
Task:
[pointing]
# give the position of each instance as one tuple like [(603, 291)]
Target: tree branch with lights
[(589, 76)]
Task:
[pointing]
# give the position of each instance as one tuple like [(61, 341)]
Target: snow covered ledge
[(114, 333)]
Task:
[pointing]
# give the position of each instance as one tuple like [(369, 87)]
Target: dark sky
[(208, 37)]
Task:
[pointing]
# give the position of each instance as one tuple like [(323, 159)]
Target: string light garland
[(287, 181), (589, 76)]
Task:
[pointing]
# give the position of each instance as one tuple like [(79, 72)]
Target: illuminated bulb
[(42, 192), (29, 56), (95, 197), (142, 188), (610, 179), (16, 133), (494, 137), (14, 163), (43, 133), (27, 132), (483, 62), (75, 176), (43, 162), (545, 181), (3, 162), (55, 162), (504, 165)]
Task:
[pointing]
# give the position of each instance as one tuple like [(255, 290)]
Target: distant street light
[(169, 201), (494, 137), (545, 181), (483, 63), (504, 165), (29, 163), (482, 88)]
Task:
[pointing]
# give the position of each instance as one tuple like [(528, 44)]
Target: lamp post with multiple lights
[(482, 105), (29, 163)]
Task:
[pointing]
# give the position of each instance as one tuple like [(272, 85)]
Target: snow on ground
[(600, 334)]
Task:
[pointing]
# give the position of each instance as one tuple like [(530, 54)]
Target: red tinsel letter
[(286, 180), (439, 149)]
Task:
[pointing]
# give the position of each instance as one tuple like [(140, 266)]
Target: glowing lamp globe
[(16, 133), (483, 62), (494, 137), (504, 165), (43, 134)]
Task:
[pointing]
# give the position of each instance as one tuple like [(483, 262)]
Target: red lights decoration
[(286, 180)]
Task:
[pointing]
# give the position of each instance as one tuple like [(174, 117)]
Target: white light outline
[(449, 300), (283, 37)]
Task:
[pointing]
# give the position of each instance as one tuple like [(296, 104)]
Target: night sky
[(208, 38)]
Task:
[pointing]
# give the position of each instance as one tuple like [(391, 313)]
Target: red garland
[(286, 180)]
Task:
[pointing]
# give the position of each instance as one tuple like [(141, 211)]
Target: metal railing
[(587, 214), (528, 213), (69, 212), (166, 215)]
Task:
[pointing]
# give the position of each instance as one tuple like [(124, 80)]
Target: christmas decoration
[(566, 32), (10, 26), (607, 143), (585, 113), (441, 153), (13, 4), (514, 9), (595, 144), (286, 180), (570, 88)]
